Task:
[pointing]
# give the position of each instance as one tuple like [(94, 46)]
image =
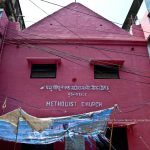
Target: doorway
[(119, 140), (37, 147)]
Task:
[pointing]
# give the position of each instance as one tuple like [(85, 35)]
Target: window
[(106, 72), (43, 71)]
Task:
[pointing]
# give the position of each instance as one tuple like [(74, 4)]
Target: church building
[(72, 62)]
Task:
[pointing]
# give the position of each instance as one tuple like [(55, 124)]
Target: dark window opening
[(106, 72), (119, 140), (37, 147), (43, 71)]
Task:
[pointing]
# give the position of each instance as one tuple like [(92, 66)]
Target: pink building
[(75, 61)]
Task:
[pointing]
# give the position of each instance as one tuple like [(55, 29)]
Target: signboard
[(74, 91)]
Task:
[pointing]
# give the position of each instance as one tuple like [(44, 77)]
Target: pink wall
[(16, 81), (131, 96)]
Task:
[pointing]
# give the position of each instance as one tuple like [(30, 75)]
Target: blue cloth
[(87, 125), (147, 2)]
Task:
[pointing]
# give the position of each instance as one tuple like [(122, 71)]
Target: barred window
[(106, 72), (43, 71)]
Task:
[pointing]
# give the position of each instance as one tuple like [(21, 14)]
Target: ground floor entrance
[(37, 147), (119, 142)]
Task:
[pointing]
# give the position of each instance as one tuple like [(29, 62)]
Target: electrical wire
[(102, 49), (65, 7), (54, 18), (105, 30), (106, 64), (144, 142), (71, 30), (76, 27), (99, 17), (10, 99), (114, 51), (90, 46), (77, 58), (90, 15), (38, 7), (80, 37), (20, 103), (82, 58)]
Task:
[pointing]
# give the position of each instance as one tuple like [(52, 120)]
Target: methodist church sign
[(74, 91), (75, 87), (73, 104)]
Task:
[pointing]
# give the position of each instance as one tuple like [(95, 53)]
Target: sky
[(113, 10)]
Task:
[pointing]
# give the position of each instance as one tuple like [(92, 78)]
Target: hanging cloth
[(33, 130)]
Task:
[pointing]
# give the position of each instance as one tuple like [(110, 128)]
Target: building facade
[(72, 62), (13, 11)]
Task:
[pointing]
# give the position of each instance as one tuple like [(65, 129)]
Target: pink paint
[(110, 44), (137, 31)]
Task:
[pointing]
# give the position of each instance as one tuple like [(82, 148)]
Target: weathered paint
[(90, 38)]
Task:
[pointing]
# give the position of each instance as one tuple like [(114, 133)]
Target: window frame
[(41, 71), (107, 71)]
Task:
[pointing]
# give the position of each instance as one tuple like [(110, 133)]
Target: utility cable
[(78, 35), (107, 64), (38, 7), (99, 17), (143, 141), (92, 47), (60, 56), (105, 30), (54, 19), (139, 106), (63, 24), (86, 14)]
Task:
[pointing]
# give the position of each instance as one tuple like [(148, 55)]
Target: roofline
[(94, 41)]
